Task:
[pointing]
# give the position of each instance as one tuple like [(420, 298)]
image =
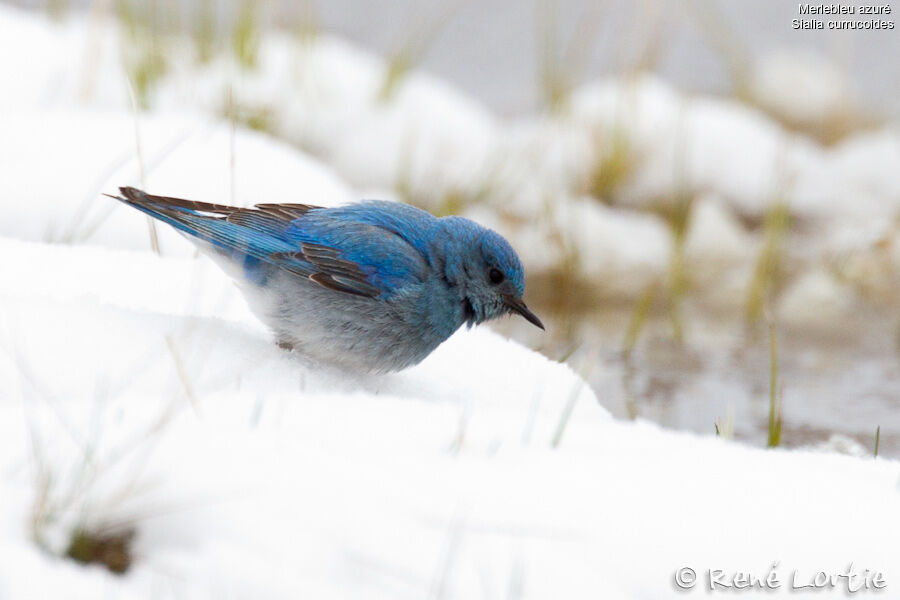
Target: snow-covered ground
[(137, 391)]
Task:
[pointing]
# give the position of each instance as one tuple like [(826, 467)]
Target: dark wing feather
[(331, 270), (345, 284), (286, 212)]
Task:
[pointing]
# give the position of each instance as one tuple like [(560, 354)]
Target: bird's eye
[(495, 276)]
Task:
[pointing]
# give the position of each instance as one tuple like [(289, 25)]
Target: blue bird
[(374, 286)]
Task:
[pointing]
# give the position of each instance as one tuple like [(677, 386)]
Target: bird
[(373, 286)]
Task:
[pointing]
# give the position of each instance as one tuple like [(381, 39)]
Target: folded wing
[(328, 246)]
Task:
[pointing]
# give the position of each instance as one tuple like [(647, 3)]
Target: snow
[(626, 251), (826, 90), (715, 240), (723, 146), (323, 95), (327, 97), (817, 298), (137, 390), (270, 478), (93, 151)]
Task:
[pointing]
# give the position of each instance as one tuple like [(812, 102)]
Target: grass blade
[(775, 409)]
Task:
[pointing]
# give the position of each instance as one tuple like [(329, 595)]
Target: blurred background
[(492, 50), (705, 194)]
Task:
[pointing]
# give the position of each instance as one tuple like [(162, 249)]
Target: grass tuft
[(558, 68), (245, 37), (552, 87), (453, 202), (877, 439), (411, 51), (205, 33), (566, 415), (677, 215), (307, 24), (113, 550), (678, 218), (67, 489), (151, 223), (143, 56), (57, 10), (615, 163), (767, 271), (775, 408), (725, 429), (638, 320), (398, 67), (257, 118), (726, 42)]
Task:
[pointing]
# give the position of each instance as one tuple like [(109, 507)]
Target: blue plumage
[(374, 286)]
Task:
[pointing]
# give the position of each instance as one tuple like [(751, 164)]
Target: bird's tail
[(218, 225), (247, 237), (184, 215)]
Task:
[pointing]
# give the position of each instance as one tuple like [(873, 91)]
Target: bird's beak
[(517, 305)]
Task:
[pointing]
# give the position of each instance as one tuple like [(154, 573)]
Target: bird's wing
[(336, 252)]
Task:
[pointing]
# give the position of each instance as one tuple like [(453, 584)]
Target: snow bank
[(322, 94), (57, 163), (156, 397), (331, 99), (801, 88), (728, 148)]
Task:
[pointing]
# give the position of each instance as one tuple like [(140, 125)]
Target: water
[(846, 384)]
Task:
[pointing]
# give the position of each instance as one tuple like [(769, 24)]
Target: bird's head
[(488, 274)]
